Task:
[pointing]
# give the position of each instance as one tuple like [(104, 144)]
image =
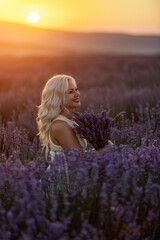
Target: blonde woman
[(60, 97)]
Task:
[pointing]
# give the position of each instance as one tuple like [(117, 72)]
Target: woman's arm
[(64, 135)]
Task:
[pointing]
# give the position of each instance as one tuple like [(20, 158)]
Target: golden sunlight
[(33, 17)]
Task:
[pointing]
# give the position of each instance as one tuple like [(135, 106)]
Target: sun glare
[(33, 17)]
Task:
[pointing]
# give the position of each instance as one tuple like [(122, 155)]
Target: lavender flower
[(116, 196), (96, 128)]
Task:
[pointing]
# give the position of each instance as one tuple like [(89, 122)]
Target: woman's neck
[(66, 114)]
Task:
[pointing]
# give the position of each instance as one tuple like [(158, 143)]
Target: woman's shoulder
[(64, 134), (62, 121), (59, 125)]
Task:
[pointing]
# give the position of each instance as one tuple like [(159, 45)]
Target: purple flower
[(96, 128)]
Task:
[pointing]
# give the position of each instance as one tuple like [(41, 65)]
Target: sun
[(33, 17)]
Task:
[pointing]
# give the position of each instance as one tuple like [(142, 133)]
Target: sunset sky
[(126, 16)]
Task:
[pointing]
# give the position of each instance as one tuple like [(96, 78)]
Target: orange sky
[(129, 16)]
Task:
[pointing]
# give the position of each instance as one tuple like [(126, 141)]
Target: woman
[(60, 97)]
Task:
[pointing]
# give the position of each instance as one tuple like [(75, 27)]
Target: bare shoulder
[(64, 135), (60, 127)]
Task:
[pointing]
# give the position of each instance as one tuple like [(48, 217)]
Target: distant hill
[(19, 39)]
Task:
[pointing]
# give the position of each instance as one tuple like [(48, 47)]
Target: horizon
[(81, 32)]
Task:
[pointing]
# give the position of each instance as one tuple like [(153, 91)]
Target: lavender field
[(113, 197)]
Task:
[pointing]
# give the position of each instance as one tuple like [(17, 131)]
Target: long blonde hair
[(53, 100)]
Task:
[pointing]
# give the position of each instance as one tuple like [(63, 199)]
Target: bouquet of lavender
[(96, 128)]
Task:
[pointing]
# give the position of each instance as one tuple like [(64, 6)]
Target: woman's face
[(72, 96)]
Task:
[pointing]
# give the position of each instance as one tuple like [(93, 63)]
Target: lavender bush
[(115, 196), (96, 128)]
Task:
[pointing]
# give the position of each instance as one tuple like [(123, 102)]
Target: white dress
[(57, 149)]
